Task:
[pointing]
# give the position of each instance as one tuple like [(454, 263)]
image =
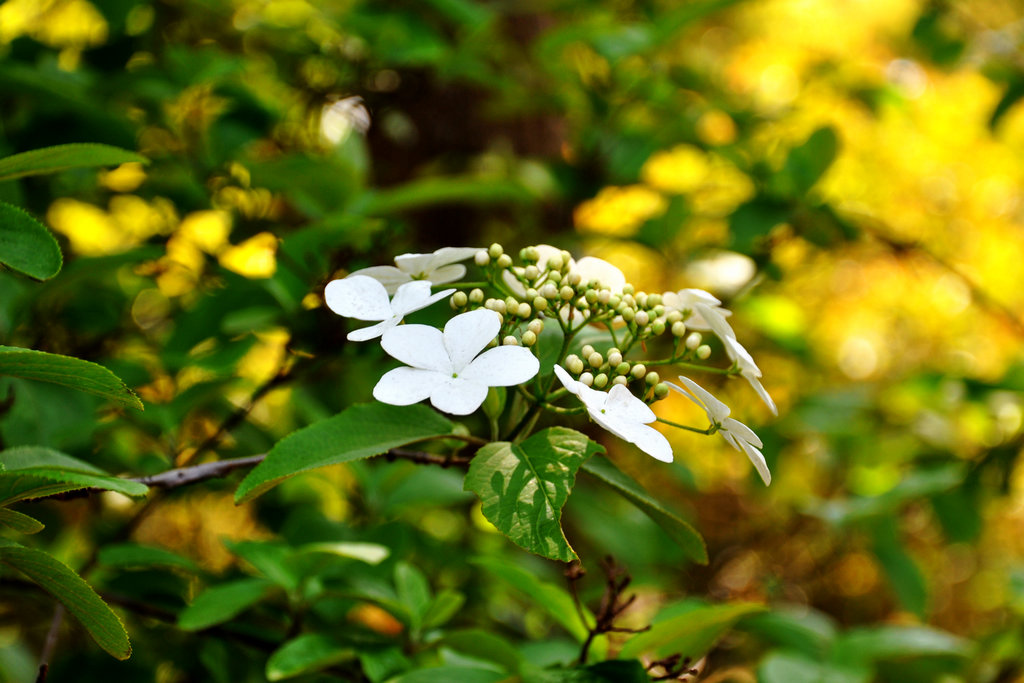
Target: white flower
[(339, 119), (445, 366), (622, 414), (440, 267), (364, 298), (706, 315), (739, 435), (589, 268)]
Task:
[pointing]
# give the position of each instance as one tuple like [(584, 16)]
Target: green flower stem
[(710, 430), (461, 285), (521, 430)]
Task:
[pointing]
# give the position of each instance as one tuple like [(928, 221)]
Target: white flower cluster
[(453, 370)]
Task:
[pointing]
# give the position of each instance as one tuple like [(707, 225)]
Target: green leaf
[(64, 157), (357, 432), (690, 634), (223, 602), (796, 628), (67, 371), (523, 487), (45, 463), (370, 553), (484, 646), (789, 667), (451, 674), (26, 245), (903, 573), (133, 555), (897, 642), (21, 523), (752, 221), (413, 592), (610, 671), (445, 605), (551, 598), (807, 163), (309, 652), (431, 191), (682, 533), (73, 592)]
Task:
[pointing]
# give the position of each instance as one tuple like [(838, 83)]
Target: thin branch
[(428, 458), (182, 476), (50, 646)]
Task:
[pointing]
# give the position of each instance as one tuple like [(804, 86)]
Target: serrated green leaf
[(15, 487), (73, 592), (74, 373), (20, 522), (133, 555), (523, 487), (552, 599), (64, 157), (48, 464), (309, 652), (223, 602), (690, 634), (357, 432), (26, 245), (682, 533)]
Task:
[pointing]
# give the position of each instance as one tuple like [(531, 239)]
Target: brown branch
[(182, 476), (50, 646), (423, 458)]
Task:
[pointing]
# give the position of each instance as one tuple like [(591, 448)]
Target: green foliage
[(33, 471), (26, 245), (64, 157), (524, 486), (691, 630), (75, 594), (74, 373)]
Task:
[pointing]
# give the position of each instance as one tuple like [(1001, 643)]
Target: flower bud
[(529, 254), (591, 296), (586, 350), (531, 272), (536, 326), (659, 310), (504, 261), (678, 328), (654, 300), (595, 359), (524, 310), (674, 317), (614, 357), (575, 279), (495, 250), (481, 258), (613, 301), (529, 338), (476, 295), (628, 313), (566, 258), (627, 288), (660, 390), (587, 378), (574, 364), (566, 292), (622, 368), (652, 378), (638, 371), (540, 303), (554, 276), (499, 307), (604, 296), (703, 352), (510, 341), (549, 291), (693, 341), (658, 326), (641, 299), (642, 318), (601, 381), (621, 379), (459, 299)]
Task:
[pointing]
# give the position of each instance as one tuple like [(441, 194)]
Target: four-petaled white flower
[(739, 435), (706, 315), (622, 414), (440, 267), (445, 366), (364, 298)]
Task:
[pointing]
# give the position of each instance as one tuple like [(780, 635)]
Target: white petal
[(652, 442), (458, 396), (358, 296), (741, 431), (449, 273), (513, 283), (389, 276), (415, 265), (503, 366), (757, 458), (467, 334), (412, 296), (741, 356), (420, 346), (593, 268), (405, 386), (762, 392), (446, 255), (624, 404), (716, 410), (373, 331), (545, 252), (714, 319), (694, 296), (567, 381)]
